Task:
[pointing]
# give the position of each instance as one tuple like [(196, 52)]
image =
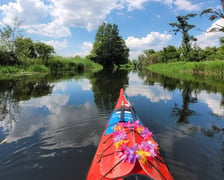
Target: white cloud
[(58, 45), (86, 14), (154, 40), (86, 48), (186, 5), (136, 4), (54, 18), (22, 9), (50, 30), (210, 38)]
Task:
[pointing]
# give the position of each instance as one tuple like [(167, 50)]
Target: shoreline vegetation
[(55, 64), (185, 70)]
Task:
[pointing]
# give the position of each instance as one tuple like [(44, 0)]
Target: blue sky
[(70, 25)]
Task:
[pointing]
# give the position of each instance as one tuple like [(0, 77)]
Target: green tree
[(24, 48), (43, 51), (170, 53), (109, 48), (183, 27)]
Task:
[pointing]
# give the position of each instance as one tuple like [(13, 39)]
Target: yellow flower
[(120, 143), (143, 155), (118, 127)]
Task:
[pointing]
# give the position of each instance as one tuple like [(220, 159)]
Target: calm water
[(53, 125)]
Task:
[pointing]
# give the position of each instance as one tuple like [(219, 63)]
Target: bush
[(38, 68)]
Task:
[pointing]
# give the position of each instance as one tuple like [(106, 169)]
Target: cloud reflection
[(213, 102), (154, 93)]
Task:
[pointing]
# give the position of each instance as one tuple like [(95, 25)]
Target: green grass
[(77, 63), (206, 67), (55, 64)]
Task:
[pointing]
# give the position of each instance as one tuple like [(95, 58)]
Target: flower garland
[(147, 149)]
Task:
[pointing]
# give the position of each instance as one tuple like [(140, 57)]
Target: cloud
[(86, 48), (58, 45), (50, 30), (186, 5), (22, 9), (54, 18), (85, 14), (210, 38), (154, 40), (132, 5)]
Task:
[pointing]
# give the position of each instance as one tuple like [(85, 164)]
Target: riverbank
[(55, 64), (179, 69)]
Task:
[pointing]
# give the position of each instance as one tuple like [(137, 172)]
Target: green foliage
[(206, 67), (24, 48), (43, 51), (109, 48), (184, 27), (73, 64), (38, 68), (169, 53)]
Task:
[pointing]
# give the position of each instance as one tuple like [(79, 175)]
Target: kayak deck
[(127, 148)]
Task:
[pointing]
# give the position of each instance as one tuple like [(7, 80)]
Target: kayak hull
[(108, 162)]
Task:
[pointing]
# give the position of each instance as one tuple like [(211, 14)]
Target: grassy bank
[(73, 64), (179, 68), (9, 72), (54, 64)]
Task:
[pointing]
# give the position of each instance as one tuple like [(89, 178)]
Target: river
[(52, 125)]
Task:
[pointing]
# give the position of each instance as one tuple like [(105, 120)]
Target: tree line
[(109, 48), (16, 49), (189, 50)]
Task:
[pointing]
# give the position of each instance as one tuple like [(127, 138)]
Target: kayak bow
[(127, 148)]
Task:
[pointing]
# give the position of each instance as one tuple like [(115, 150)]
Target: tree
[(43, 51), (109, 48), (215, 14), (170, 53), (9, 34), (24, 48), (183, 27)]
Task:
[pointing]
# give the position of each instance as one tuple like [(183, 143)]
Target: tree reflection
[(187, 88), (106, 86), (13, 91), (184, 112)]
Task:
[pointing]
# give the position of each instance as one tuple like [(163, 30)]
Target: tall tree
[(9, 34), (109, 48), (215, 14), (184, 27)]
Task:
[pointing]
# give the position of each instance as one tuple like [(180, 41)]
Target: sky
[(70, 25)]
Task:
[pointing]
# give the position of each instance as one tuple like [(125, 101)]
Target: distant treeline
[(173, 54), (21, 54)]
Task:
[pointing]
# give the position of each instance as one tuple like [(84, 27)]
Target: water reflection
[(54, 124), (106, 87)]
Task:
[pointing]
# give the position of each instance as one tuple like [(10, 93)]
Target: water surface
[(53, 126)]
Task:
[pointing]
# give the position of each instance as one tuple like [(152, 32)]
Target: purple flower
[(129, 154), (146, 133), (149, 147), (119, 135)]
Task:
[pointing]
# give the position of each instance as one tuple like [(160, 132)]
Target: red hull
[(107, 165)]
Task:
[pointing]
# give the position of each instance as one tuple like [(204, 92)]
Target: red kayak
[(127, 149)]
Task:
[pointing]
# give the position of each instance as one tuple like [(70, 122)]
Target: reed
[(204, 67)]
